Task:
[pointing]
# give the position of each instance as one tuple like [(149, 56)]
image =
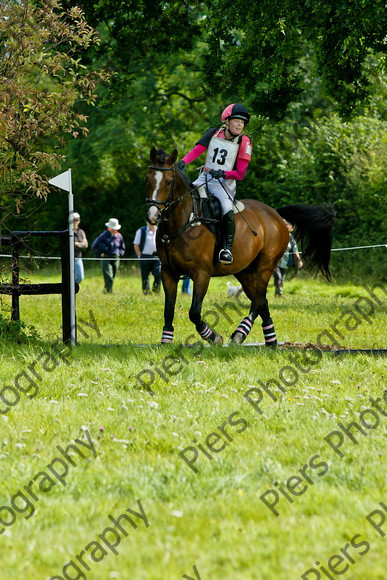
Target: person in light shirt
[(144, 244)]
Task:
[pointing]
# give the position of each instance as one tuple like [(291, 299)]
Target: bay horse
[(185, 245)]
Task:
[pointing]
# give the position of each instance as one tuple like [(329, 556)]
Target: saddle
[(207, 211)]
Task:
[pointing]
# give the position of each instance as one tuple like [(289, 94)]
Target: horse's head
[(160, 181)]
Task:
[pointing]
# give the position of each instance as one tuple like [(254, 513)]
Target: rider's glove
[(181, 165), (218, 173)]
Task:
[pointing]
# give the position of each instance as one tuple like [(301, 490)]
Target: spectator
[(80, 243), (145, 248), (290, 256), (186, 287), (109, 245)]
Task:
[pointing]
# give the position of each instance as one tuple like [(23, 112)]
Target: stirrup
[(225, 256)]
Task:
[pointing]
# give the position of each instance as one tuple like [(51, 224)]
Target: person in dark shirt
[(290, 257), (110, 246)]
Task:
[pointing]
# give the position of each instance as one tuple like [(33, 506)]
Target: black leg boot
[(225, 255)]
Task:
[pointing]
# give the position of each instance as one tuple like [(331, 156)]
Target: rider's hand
[(181, 165), (218, 173)]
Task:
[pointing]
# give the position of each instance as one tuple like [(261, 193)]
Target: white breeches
[(215, 187)]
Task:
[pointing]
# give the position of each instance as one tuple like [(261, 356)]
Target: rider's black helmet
[(236, 111)]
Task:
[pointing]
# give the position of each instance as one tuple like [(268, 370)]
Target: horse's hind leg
[(267, 324), (200, 286), (255, 286), (170, 291)]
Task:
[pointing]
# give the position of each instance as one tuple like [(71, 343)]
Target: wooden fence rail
[(16, 240)]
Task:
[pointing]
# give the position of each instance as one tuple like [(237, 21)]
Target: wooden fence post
[(65, 262), (15, 308)]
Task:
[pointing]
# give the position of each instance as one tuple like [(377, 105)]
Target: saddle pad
[(238, 206)]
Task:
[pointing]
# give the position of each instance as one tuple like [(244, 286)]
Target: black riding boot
[(225, 255)]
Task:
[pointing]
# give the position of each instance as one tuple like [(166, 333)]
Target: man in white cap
[(110, 246), (80, 243)]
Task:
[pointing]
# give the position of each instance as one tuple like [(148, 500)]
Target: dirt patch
[(311, 346), (332, 348)]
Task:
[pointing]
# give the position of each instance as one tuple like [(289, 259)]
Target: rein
[(171, 205)]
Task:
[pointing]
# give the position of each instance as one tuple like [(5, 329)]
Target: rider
[(228, 154)]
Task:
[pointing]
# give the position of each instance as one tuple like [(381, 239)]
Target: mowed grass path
[(212, 519)]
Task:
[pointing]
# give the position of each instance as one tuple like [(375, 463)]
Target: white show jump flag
[(63, 181)]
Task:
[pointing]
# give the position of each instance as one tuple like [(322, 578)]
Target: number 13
[(222, 154)]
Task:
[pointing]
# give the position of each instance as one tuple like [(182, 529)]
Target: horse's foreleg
[(240, 334), (200, 287), (170, 291)]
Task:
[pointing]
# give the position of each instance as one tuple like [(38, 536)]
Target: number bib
[(221, 154)]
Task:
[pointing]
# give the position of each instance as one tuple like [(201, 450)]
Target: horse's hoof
[(218, 340), (238, 338), (273, 344)]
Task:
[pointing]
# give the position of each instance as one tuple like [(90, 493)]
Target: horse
[(185, 246)]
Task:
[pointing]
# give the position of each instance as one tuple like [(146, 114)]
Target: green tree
[(259, 46), (252, 49), (171, 84), (41, 81)]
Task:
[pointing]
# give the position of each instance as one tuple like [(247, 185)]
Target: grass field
[(243, 418)]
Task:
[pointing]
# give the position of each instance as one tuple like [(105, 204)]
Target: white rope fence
[(156, 258), (358, 248)]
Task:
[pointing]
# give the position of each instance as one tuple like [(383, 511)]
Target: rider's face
[(236, 126)]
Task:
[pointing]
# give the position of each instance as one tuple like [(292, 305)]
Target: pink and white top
[(220, 156)]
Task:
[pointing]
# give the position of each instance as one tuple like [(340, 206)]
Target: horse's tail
[(314, 225)]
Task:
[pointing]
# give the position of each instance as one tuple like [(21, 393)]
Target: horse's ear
[(153, 154), (172, 158)]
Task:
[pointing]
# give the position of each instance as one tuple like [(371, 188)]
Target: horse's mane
[(184, 178), (163, 158)]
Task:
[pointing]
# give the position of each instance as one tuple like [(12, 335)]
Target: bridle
[(167, 207), (169, 204)]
